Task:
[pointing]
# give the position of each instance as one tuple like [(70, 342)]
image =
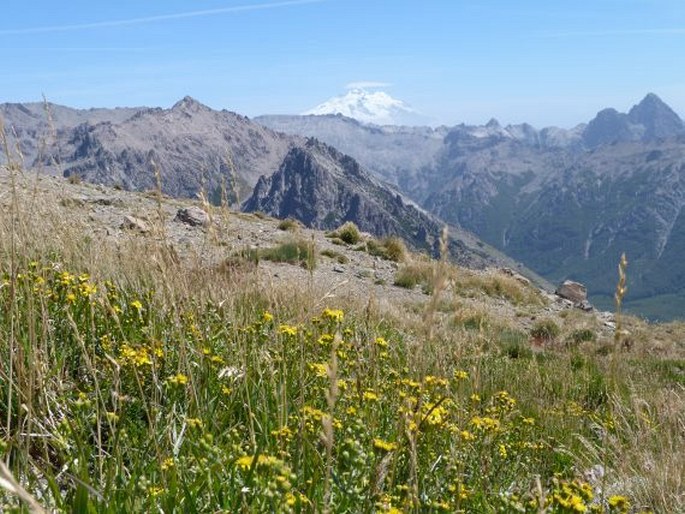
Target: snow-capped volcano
[(375, 107)]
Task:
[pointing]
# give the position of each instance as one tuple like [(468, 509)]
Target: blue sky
[(545, 62)]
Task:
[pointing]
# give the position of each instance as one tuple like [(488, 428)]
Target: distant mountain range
[(564, 202), (198, 150)]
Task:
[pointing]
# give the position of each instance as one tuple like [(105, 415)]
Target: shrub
[(293, 252), (581, 335), (349, 233), (289, 225), (339, 257), (395, 249), (390, 248), (545, 330), (411, 275), (517, 350), (74, 178)]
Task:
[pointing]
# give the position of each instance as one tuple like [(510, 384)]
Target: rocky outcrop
[(324, 188), (193, 216), (574, 292)]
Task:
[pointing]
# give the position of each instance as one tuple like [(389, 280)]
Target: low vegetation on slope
[(134, 381)]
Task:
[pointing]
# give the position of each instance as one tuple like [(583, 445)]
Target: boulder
[(193, 216), (574, 291), (136, 224)]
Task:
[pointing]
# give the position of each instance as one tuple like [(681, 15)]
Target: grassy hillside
[(137, 378)]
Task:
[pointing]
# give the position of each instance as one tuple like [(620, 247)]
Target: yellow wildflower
[(619, 502), (370, 396), (466, 435), (461, 375), (178, 379), (283, 433), (385, 446), (435, 415), (246, 461), (320, 369), (287, 330), (433, 381), (502, 451), (459, 490), (325, 339), (335, 315), (155, 491), (485, 423), (194, 422)]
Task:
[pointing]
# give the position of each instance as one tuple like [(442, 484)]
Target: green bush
[(349, 233), (581, 335), (293, 252), (545, 330), (390, 248), (411, 275)]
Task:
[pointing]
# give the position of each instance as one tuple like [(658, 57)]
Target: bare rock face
[(189, 148), (324, 188), (193, 216), (574, 291)]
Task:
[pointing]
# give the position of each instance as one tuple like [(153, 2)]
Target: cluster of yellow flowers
[(140, 355)]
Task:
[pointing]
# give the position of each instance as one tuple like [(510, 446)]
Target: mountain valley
[(566, 203)]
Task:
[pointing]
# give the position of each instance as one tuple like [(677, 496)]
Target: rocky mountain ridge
[(566, 203), (324, 188), (192, 150)]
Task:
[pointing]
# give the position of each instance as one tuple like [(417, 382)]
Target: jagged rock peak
[(610, 126), (188, 103), (659, 120)]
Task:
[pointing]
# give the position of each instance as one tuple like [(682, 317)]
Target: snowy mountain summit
[(375, 107)]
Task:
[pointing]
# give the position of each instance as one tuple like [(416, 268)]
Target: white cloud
[(155, 19), (367, 84)]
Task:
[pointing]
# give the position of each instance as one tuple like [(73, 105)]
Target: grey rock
[(135, 224), (193, 216), (585, 306), (573, 291)]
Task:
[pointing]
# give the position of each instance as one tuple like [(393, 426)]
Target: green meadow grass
[(132, 382)]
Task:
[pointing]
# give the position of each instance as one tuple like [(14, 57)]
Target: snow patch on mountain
[(376, 107)]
